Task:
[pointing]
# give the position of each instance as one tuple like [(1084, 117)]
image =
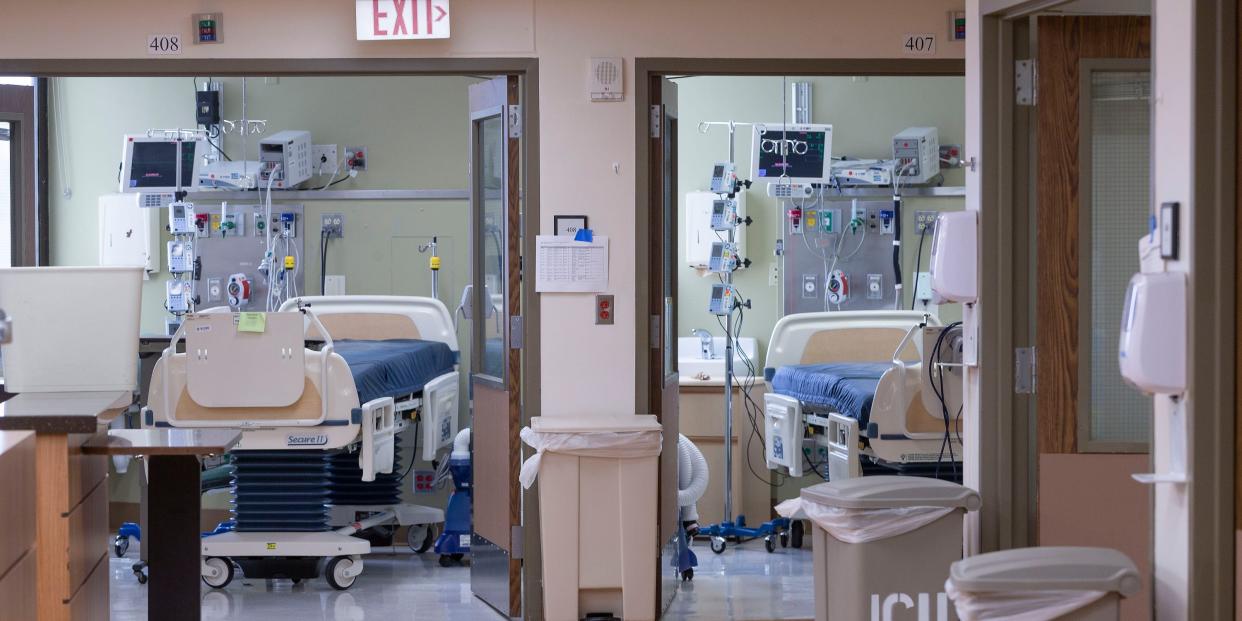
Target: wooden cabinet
[(701, 413), (72, 527), (17, 525)]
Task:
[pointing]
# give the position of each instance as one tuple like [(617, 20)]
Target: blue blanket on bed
[(845, 388), (394, 367)]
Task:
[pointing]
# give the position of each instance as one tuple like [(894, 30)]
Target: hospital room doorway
[(400, 216), (721, 254)]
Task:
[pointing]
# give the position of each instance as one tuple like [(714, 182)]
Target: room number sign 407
[(163, 44), (923, 44)]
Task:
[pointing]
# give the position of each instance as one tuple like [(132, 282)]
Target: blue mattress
[(845, 388), (394, 367)]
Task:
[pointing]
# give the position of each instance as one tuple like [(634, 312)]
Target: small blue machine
[(454, 543)]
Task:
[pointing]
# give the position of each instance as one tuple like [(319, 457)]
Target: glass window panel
[(6, 194), (1120, 183), (491, 186)]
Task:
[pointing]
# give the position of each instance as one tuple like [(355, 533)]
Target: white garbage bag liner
[(863, 525), (617, 444), (1018, 605)]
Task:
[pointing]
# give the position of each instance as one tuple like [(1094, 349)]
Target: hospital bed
[(853, 391), (319, 455)]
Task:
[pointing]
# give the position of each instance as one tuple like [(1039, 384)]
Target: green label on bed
[(252, 322)]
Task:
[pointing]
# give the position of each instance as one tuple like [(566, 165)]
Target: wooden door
[(496, 312), (663, 311), (1092, 182)]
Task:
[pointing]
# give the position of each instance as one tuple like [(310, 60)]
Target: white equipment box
[(291, 150), (917, 151), (128, 234), (698, 230)]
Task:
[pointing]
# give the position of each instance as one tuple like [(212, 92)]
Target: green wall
[(416, 130), (865, 113)]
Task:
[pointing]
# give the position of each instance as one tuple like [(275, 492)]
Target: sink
[(690, 361)]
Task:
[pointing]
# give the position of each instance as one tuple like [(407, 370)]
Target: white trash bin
[(882, 545), (75, 329), (598, 480), (1037, 584)]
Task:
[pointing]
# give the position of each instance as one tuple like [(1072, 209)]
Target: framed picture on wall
[(568, 225)]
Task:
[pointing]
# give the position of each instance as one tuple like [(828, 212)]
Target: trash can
[(882, 545), (1069, 584), (598, 480)]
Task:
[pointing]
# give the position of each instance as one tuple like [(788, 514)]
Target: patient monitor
[(160, 164), (792, 153)]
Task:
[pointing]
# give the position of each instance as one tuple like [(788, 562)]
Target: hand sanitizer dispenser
[(954, 258), (1152, 352)]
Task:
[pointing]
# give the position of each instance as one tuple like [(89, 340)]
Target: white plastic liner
[(863, 525), (1018, 605), (618, 444)]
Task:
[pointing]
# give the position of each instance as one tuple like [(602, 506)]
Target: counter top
[(163, 442), (61, 412)]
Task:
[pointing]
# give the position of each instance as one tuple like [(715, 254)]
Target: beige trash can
[(1069, 584), (598, 477), (882, 546)]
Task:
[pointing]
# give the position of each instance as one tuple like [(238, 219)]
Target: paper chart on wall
[(563, 265)]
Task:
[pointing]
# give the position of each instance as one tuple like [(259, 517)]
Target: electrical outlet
[(334, 224), (774, 274), (924, 220), (356, 158), (214, 290), (334, 284), (323, 158)]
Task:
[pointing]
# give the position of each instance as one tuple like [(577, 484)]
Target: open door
[(494, 302), (663, 313), (1093, 174)]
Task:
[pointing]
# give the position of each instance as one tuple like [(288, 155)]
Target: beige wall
[(580, 142)]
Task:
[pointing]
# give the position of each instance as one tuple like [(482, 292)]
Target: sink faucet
[(707, 347)]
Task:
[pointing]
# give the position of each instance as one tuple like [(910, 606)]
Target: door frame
[(1210, 521), (526, 69), (649, 218)]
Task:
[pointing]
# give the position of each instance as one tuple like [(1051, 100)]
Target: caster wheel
[(457, 558), (334, 573), (222, 572), (769, 544), (784, 540), (120, 546), (687, 575), (420, 537), (296, 581), (141, 576), (796, 534), (718, 545), (446, 561)]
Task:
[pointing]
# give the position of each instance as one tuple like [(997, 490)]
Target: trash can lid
[(887, 492), (1047, 569), (594, 422)]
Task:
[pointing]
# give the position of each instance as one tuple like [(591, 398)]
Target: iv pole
[(729, 527)]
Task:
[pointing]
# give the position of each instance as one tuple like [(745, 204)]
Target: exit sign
[(379, 20)]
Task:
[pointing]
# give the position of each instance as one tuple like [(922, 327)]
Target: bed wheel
[(769, 544), (795, 534), (223, 569), (420, 537), (334, 573), (120, 545), (718, 545)]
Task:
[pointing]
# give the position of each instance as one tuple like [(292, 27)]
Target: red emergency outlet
[(603, 310)]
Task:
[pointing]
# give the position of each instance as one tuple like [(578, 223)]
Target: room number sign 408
[(163, 44)]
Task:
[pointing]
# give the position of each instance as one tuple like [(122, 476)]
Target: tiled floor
[(743, 583)]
